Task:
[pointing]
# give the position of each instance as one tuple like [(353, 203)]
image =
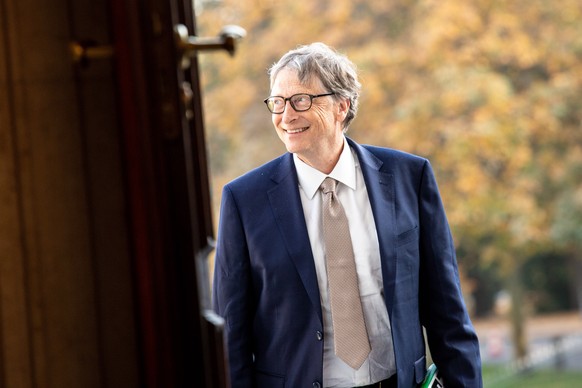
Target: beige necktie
[(351, 337)]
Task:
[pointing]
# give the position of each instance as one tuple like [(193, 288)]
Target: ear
[(342, 109)]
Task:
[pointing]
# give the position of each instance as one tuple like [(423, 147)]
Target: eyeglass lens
[(299, 102)]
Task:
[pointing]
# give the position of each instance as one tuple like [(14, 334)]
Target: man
[(284, 271)]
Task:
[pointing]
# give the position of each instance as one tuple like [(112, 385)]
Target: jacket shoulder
[(263, 176), (399, 163), (392, 156)]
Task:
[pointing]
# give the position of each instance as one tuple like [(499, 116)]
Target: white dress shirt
[(353, 195)]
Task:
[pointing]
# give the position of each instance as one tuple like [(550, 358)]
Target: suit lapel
[(286, 204), (380, 187)]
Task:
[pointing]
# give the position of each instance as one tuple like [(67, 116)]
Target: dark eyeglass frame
[(290, 99)]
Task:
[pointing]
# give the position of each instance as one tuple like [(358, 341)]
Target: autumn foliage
[(489, 90)]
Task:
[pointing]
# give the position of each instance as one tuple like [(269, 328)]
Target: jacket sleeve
[(232, 291), (451, 337)]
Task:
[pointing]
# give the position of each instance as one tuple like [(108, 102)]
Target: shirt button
[(316, 384), (319, 335)]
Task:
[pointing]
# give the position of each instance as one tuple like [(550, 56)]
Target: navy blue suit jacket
[(265, 284)]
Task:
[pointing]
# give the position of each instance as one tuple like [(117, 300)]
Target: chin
[(290, 149)]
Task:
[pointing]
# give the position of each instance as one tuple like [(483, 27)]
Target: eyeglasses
[(300, 102)]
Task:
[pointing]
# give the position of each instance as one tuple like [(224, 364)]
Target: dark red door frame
[(168, 196)]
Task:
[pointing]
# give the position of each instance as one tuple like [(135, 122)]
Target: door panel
[(169, 196), (66, 293), (105, 207)]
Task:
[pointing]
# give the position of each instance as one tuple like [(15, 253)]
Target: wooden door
[(169, 193), (104, 203), (67, 307)]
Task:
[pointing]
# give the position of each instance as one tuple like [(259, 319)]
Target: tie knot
[(328, 185)]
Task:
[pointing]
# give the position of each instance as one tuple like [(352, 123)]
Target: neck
[(324, 162)]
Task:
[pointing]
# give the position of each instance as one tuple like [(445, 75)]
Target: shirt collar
[(344, 171)]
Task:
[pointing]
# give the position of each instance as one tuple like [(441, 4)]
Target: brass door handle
[(86, 50), (188, 45)]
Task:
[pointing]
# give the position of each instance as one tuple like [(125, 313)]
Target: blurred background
[(491, 92), (112, 115)]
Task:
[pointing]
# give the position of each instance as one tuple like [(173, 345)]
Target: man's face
[(315, 134)]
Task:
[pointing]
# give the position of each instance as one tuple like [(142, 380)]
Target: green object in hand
[(432, 379)]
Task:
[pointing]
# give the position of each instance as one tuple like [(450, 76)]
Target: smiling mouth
[(296, 130)]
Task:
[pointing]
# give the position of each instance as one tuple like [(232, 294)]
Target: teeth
[(296, 130)]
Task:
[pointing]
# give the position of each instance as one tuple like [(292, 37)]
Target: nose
[(289, 114)]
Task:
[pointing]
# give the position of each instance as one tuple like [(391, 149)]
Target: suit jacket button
[(316, 384), (319, 335)]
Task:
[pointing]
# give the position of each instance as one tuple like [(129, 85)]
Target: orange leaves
[(489, 90)]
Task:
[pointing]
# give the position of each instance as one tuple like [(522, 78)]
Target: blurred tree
[(548, 279), (489, 90)]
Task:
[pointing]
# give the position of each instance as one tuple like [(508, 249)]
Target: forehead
[(287, 83)]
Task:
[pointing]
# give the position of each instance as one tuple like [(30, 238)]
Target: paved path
[(549, 338)]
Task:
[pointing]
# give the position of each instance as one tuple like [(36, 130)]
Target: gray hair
[(335, 70)]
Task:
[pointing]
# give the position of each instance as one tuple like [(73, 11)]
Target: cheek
[(320, 115), (324, 117)]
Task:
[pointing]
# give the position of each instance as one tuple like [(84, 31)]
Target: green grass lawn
[(495, 377)]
